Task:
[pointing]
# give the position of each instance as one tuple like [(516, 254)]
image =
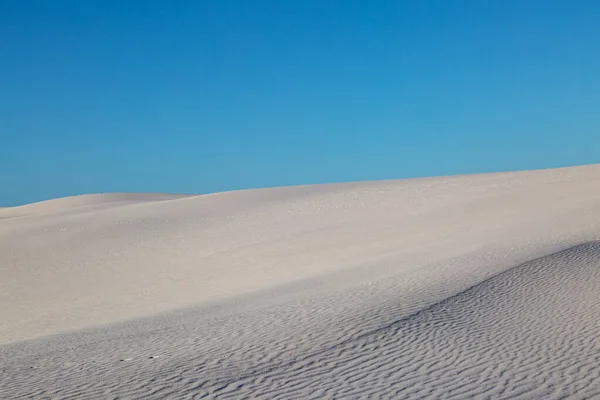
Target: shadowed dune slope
[(531, 332)]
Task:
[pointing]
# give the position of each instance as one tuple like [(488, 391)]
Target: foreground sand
[(482, 286)]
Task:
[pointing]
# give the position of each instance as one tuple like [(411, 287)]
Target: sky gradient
[(204, 96)]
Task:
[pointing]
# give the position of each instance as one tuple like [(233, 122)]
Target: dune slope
[(419, 288), (531, 332)]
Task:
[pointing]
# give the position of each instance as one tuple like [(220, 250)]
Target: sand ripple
[(532, 332)]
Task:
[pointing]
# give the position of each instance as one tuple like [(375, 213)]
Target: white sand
[(419, 288)]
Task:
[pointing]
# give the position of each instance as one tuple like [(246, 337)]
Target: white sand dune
[(480, 286)]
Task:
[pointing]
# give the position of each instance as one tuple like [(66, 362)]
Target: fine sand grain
[(481, 286)]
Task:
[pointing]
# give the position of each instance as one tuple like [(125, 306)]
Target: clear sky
[(203, 96)]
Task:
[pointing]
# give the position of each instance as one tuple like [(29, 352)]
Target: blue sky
[(204, 96)]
